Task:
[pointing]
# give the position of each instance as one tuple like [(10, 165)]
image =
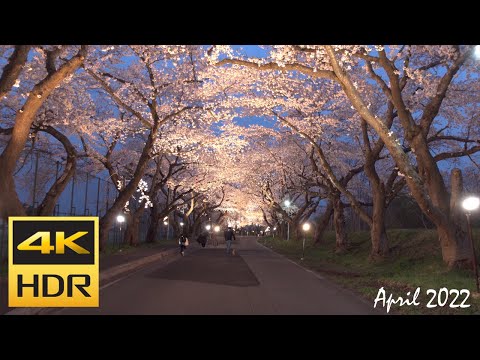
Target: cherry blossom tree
[(49, 68), (176, 128), (159, 87), (416, 80)]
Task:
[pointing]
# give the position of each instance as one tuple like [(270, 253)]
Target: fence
[(85, 194), (88, 193)]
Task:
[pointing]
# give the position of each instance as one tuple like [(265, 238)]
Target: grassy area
[(415, 261)]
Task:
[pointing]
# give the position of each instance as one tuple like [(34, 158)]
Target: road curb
[(105, 276)]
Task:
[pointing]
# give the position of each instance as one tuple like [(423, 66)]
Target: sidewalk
[(119, 258), (111, 265)]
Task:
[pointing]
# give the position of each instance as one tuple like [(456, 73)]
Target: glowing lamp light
[(306, 227), (165, 218), (120, 219), (471, 203), (217, 228), (477, 51), (274, 228), (208, 227), (287, 203), (165, 223), (181, 224)]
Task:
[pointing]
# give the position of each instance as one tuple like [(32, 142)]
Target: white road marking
[(293, 262)]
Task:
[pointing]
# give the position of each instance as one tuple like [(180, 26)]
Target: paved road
[(106, 262), (207, 281)]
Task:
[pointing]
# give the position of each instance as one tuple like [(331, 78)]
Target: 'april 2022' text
[(452, 298)]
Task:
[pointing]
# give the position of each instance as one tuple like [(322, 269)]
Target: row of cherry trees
[(141, 114), (341, 126), (390, 112)]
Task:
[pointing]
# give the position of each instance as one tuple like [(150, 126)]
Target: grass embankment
[(414, 261)]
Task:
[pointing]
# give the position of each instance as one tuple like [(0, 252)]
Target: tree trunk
[(450, 225), (106, 223), (125, 194), (51, 197), (322, 223), (452, 236), (152, 232), (455, 256), (12, 70), (10, 205), (296, 230), (426, 185), (378, 235), (131, 232), (341, 239)]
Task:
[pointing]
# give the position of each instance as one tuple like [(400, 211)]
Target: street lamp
[(181, 224), (208, 227), (274, 229), (217, 229), (287, 205), (120, 221), (305, 228), (477, 51), (166, 223), (470, 204)]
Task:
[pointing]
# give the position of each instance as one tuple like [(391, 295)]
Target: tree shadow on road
[(209, 266)]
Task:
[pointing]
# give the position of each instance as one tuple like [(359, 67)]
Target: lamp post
[(167, 224), (215, 236), (208, 228), (120, 221), (274, 229), (181, 228), (305, 228), (287, 205), (470, 204)]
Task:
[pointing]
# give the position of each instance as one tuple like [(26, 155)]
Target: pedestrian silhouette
[(202, 239), (183, 242), (229, 235)]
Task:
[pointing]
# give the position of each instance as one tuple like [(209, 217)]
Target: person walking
[(183, 242), (202, 239), (229, 235)]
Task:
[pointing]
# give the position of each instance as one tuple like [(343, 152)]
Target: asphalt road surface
[(256, 281)]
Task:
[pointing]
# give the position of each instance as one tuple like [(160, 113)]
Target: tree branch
[(287, 67), (14, 67)]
